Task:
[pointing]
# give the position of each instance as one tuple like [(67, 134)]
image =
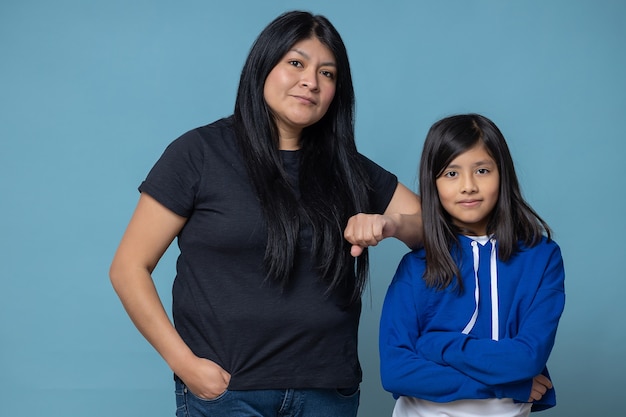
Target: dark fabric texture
[(266, 336)]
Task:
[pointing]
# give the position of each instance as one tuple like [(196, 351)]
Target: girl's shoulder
[(415, 256), (545, 252), (543, 245), (411, 267)]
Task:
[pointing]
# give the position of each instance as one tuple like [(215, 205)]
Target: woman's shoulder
[(218, 133), (371, 166), (221, 128), (223, 124)]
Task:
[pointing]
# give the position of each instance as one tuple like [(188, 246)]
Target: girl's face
[(300, 88), (468, 189)]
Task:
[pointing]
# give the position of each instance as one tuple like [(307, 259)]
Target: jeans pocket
[(207, 400), (189, 404), (181, 404), (349, 392)]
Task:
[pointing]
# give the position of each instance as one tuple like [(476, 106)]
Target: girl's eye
[(450, 174), (482, 171), (295, 63)]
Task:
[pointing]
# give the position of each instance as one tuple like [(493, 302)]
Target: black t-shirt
[(266, 336)]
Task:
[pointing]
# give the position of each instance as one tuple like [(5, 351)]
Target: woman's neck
[(289, 140)]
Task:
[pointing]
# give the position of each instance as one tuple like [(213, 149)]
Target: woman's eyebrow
[(305, 55)]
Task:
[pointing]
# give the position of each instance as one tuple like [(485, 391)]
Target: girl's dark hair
[(332, 181), (512, 221)]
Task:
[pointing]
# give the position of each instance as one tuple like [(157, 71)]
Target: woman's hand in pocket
[(205, 378)]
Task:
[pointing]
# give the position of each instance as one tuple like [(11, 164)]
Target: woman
[(268, 206)]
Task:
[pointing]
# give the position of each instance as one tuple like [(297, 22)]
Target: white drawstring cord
[(472, 321), (495, 318)]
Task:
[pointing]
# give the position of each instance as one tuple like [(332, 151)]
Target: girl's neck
[(480, 239)]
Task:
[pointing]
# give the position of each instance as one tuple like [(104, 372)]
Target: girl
[(469, 321), (266, 299)]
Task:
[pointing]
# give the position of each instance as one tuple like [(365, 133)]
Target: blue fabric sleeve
[(512, 360), (404, 371)]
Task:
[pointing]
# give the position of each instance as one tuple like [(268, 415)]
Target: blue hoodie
[(444, 345)]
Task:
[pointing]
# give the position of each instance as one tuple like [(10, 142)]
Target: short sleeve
[(383, 184), (173, 180)]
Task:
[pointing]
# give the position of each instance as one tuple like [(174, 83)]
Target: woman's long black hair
[(332, 181), (512, 221)]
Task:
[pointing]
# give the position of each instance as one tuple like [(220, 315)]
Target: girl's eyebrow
[(306, 56), (475, 164), (485, 162)]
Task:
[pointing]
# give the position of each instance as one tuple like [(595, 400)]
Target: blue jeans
[(269, 403)]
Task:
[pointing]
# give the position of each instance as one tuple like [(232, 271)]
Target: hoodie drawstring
[(468, 328), (495, 318), (494, 290)]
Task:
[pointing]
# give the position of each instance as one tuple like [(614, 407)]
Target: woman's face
[(300, 88)]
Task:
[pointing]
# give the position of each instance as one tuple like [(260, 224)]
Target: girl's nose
[(468, 185)]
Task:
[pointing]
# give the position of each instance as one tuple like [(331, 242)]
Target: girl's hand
[(541, 384), (205, 378)]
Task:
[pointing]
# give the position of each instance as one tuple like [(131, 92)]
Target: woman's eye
[(328, 74), (295, 63)]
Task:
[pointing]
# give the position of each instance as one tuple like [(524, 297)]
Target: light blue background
[(92, 91)]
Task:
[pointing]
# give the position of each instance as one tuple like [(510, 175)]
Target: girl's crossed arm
[(405, 371), (507, 360)]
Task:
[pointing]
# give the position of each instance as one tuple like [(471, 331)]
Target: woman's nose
[(309, 79)]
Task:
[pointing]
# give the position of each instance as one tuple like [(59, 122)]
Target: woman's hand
[(402, 219), (205, 378), (365, 230)]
